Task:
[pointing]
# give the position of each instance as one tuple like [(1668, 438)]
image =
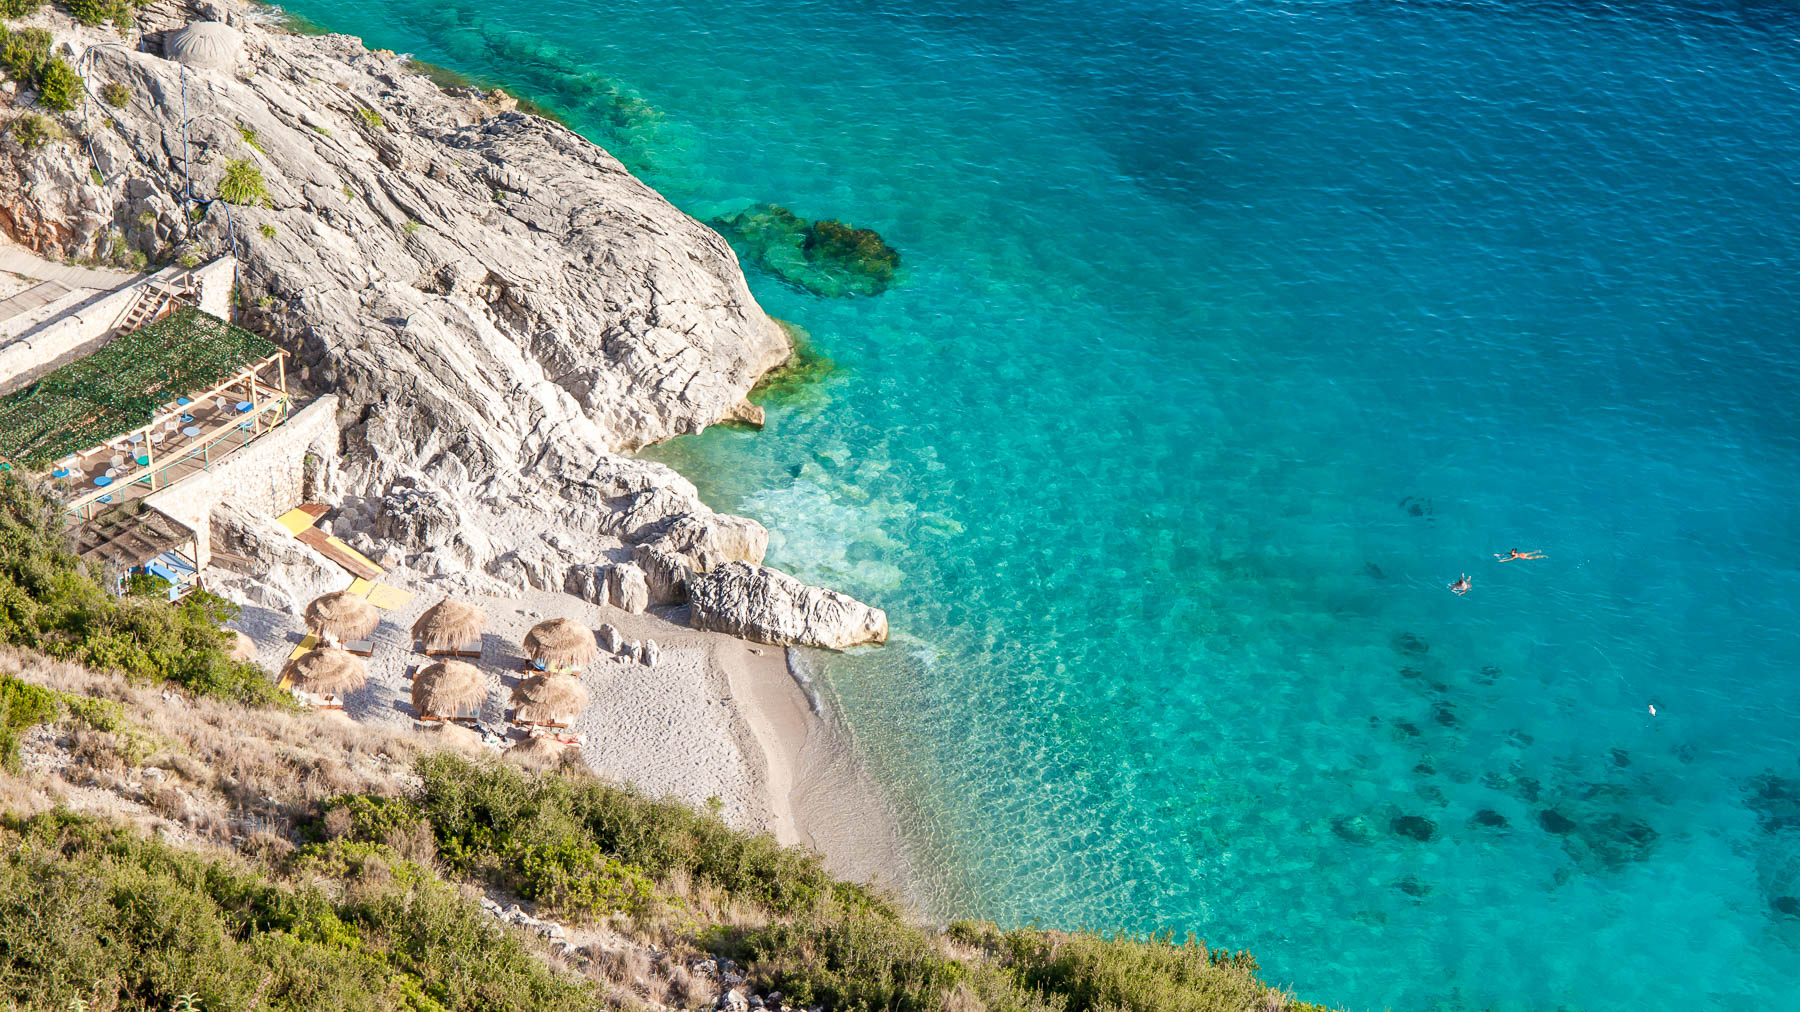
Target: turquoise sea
[(1229, 333)]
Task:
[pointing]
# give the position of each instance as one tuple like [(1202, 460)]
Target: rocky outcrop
[(502, 310), (761, 604)]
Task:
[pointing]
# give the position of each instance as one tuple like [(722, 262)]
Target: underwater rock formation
[(825, 257)]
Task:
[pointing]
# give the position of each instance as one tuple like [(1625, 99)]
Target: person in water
[(1514, 553), (1461, 586)]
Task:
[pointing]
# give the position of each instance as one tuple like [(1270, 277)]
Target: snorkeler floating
[(1514, 553), (1461, 586)]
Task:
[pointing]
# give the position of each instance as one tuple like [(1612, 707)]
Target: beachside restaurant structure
[(146, 410), (134, 537)]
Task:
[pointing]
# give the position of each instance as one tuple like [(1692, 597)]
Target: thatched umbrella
[(341, 615), (455, 736), (243, 648), (538, 753), (446, 687), (561, 643), (449, 624), (327, 671), (541, 699)]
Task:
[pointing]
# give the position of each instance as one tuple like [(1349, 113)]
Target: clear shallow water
[(1200, 303)]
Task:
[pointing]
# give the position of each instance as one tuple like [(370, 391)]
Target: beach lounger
[(463, 651), (361, 648)]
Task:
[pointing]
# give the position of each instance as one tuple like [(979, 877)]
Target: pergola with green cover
[(122, 386)]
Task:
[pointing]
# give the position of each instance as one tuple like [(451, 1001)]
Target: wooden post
[(150, 455)]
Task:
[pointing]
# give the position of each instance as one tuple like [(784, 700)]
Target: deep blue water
[(1229, 334)]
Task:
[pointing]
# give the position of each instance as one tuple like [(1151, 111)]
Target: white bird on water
[(1652, 709)]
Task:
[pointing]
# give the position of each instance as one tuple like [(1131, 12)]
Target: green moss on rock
[(798, 378)]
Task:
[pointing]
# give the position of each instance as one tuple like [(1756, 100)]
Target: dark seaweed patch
[(1416, 827), (1556, 822), (1487, 818), (1414, 886), (1775, 800), (1411, 643)]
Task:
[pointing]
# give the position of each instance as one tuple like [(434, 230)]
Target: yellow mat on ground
[(360, 587), (390, 598), (297, 520), (311, 640)]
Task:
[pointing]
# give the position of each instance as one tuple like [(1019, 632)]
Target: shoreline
[(718, 723)]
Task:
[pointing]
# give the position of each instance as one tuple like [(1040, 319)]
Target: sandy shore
[(715, 722)]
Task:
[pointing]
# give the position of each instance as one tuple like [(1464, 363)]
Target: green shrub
[(49, 603), (862, 963), (22, 706), (33, 131), (147, 585), (59, 87), (243, 183), (267, 231), (249, 136), (487, 817), (19, 8), (24, 52), (370, 117), (1124, 974), (115, 94), (96, 913), (94, 13)]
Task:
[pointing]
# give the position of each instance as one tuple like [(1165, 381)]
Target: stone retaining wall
[(69, 337)]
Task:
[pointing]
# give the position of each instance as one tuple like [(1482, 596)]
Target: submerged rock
[(758, 603), (1556, 822), (825, 257), (1487, 818), (1416, 827)]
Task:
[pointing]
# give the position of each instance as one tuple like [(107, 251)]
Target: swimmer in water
[(1461, 586), (1514, 553)]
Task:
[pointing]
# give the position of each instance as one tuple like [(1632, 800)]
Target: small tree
[(115, 94)]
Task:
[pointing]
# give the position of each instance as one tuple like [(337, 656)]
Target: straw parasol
[(449, 624), (544, 698), (446, 687), (538, 753), (327, 671), (561, 643), (455, 736), (341, 615), (243, 648)]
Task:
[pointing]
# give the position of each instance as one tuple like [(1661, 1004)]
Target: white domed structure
[(206, 45)]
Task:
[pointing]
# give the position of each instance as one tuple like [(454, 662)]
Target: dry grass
[(225, 770)]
